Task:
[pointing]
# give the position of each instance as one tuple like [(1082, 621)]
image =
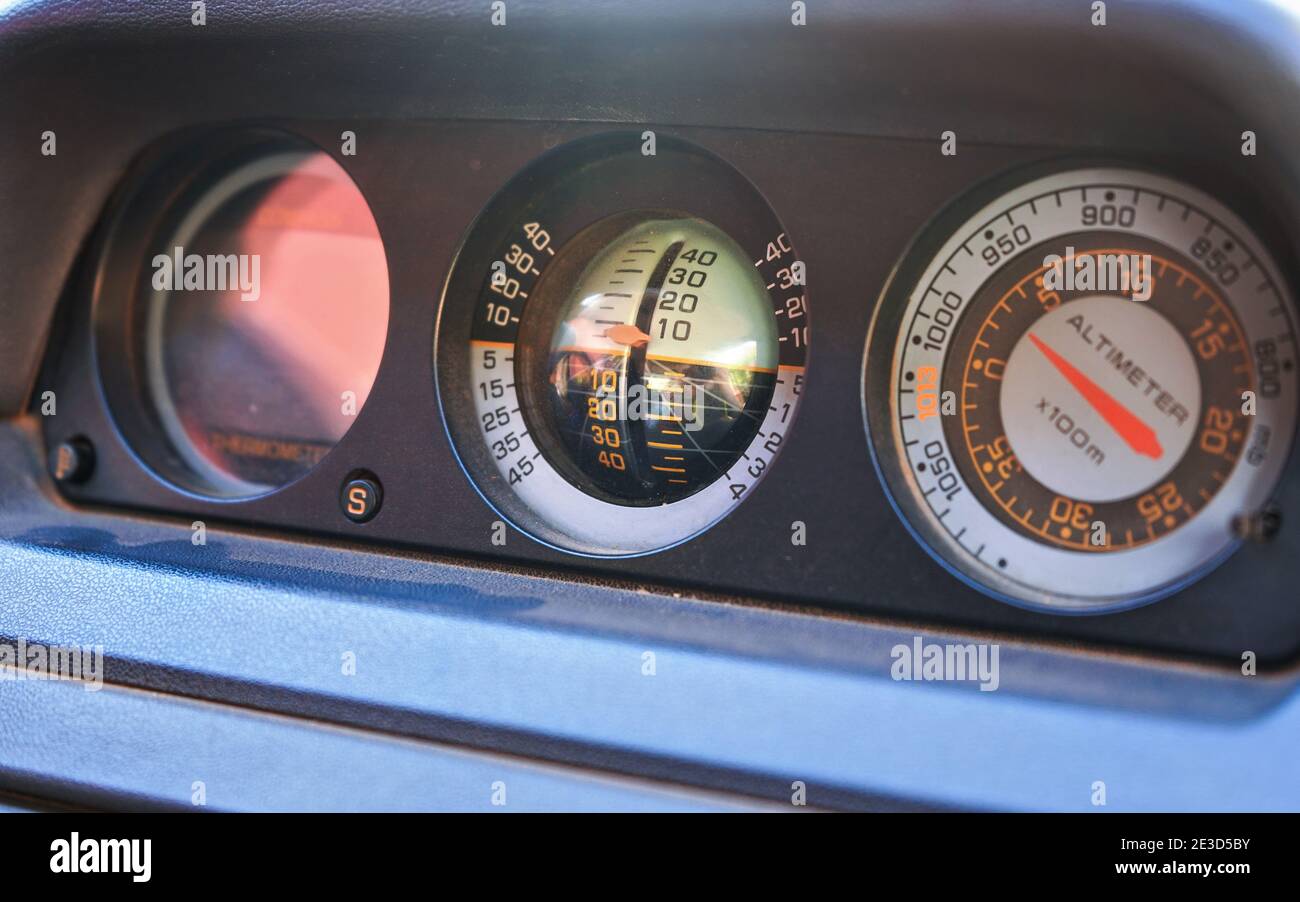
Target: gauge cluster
[(1043, 383)]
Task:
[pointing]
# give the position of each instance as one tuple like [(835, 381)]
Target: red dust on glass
[(259, 390)]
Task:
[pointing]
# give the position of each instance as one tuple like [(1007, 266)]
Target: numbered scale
[(1082, 390), (633, 372)]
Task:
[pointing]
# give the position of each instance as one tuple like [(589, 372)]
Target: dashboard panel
[(810, 533), (515, 342)]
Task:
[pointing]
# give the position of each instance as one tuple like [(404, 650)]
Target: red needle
[(1139, 436)]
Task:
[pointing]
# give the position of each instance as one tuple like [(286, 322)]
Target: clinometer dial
[(652, 375), (622, 345), (1086, 390)]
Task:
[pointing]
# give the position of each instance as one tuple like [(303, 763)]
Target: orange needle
[(1139, 436), (626, 334)]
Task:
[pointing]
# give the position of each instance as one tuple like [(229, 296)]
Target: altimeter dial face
[(1089, 385)]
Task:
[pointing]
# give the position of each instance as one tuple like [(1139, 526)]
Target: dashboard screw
[(72, 461), (1261, 526)]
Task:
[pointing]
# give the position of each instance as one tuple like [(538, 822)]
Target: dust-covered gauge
[(1084, 391), (252, 374), (635, 342), (243, 312)]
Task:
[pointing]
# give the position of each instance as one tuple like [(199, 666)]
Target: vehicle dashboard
[(704, 603)]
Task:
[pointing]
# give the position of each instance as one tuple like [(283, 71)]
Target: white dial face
[(654, 394), (1092, 380), (1072, 446), (648, 388), (636, 335)]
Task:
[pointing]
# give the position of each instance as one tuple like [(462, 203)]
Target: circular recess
[(241, 313), (1076, 385), (621, 345)]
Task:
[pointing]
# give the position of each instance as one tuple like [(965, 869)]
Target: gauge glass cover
[(265, 316)]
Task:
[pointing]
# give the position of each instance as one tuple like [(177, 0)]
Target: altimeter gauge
[(1085, 389)]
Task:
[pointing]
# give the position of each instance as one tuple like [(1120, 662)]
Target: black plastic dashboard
[(844, 141), (825, 479)]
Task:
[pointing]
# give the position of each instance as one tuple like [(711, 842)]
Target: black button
[(73, 460), (360, 498)]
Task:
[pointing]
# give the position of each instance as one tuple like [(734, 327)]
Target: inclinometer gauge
[(1077, 393), (621, 345)]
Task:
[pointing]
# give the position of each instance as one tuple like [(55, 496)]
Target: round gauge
[(621, 346), (657, 366), (1080, 392), (253, 303)]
